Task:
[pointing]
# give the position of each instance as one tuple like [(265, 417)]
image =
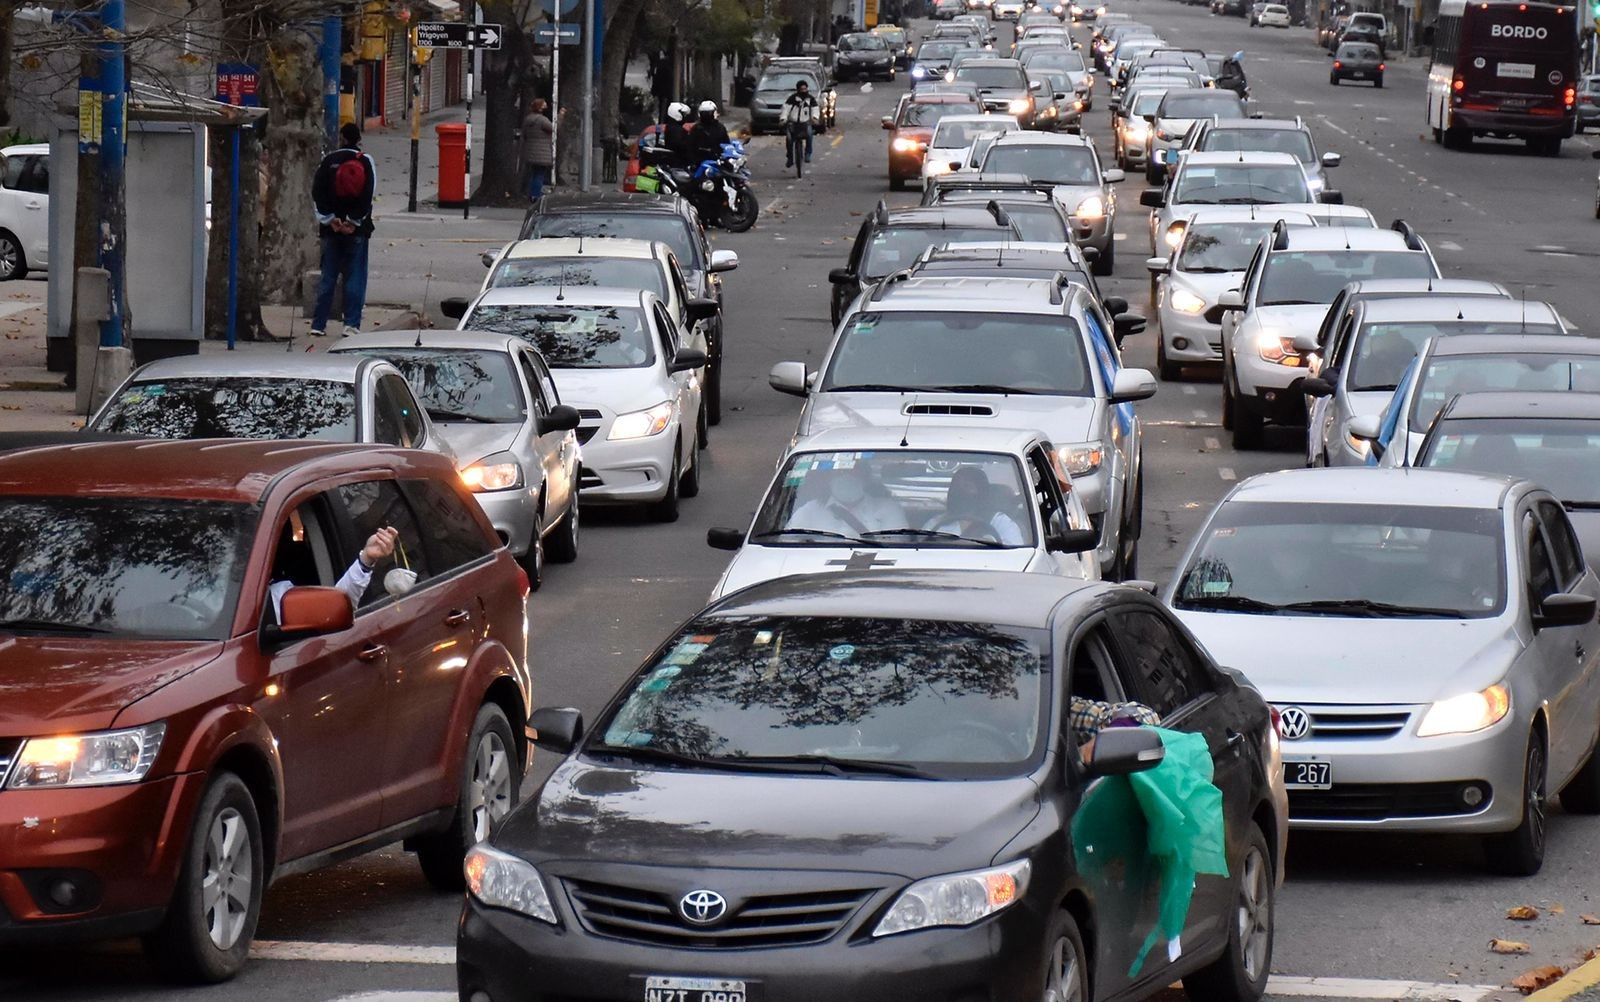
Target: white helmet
[(708, 107), (677, 111)]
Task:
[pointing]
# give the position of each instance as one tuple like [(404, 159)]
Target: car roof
[(938, 97), (991, 61), (1194, 91), (1003, 250), (257, 365), (1011, 598), (1437, 308), (975, 117), (464, 340), (607, 201), (1519, 344), (942, 215), (199, 469), (1245, 124), (1555, 405), (1363, 238), (1029, 138), (967, 294), (1294, 212), (549, 295), (918, 436), (1377, 486), (1448, 286), (1249, 158), (592, 246)]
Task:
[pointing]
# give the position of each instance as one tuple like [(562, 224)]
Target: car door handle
[(1577, 648), (1234, 737), (35, 205), (372, 652), (456, 617)]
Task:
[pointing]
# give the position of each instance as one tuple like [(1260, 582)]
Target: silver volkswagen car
[(1072, 165), (1428, 639)]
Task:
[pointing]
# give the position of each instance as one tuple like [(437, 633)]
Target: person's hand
[(379, 545)]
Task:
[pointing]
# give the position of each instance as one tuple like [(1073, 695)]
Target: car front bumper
[(1202, 339), (514, 513), (1096, 233), (1271, 389)]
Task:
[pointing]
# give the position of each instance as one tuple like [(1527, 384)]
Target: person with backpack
[(342, 191)]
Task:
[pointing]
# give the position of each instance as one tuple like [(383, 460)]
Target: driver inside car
[(295, 563), (972, 508), (850, 503)]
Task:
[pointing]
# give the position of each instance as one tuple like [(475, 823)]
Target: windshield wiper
[(981, 388), (1235, 603), (832, 764), (1369, 608), (932, 534), (1209, 270), (46, 626), (796, 531), (872, 388), (1581, 505), (443, 415), (1290, 302)]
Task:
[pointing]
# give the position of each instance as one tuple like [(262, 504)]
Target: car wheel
[(1066, 972), (1378, 83), (1169, 370), (666, 509), (12, 263), (1240, 974), (1227, 402), (689, 481), (206, 933), (1579, 128), (491, 781), (532, 560), (714, 391), (1333, 79), (896, 184), (1520, 852), (563, 548), (702, 427), (1107, 260), (1247, 426)]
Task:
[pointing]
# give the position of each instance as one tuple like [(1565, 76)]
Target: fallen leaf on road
[(1523, 913), (1508, 946), (1590, 919), (10, 407), (1531, 981), (1557, 910)]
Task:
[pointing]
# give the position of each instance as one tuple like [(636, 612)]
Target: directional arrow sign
[(458, 35)]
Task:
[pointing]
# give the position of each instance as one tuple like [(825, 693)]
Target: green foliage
[(17, 137)]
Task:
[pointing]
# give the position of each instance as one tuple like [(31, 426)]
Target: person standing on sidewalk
[(538, 147), (342, 191)]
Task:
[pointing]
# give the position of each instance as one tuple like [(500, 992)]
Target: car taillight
[(1380, 66), (1569, 95), (525, 586), (1277, 721), (1338, 65), (1459, 84)]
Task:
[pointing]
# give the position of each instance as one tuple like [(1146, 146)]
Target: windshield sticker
[(686, 653), (844, 460), (842, 652), (763, 638), (1216, 587), (1206, 173)]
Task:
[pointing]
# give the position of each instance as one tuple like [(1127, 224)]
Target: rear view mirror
[(888, 121), (1133, 384), (1365, 426), (841, 276), (1158, 265), (1315, 386), (1119, 751), (1153, 198), (1127, 325), (686, 359), (724, 260), (702, 309), (487, 257), (1073, 541), (1231, 300), (454, 307), (1113, 175), (1564, 609), (1115, 306), (1306, 341), (560, 418), (556, 728), (790, 378), (1331, 160), (721, 538)]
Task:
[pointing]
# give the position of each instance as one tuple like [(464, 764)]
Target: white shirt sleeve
[(354, 582), (275, 591)]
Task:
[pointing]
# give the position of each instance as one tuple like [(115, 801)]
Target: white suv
[(24, 209)]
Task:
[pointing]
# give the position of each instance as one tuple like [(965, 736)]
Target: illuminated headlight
[(1137, 131), (1174, 235), (642, 424), (1082, 459), (955, 900), (1466, 713), (1093, 207), (1020, 106), (106, 758), (936, 167), (501, 880), (493, 473), (1099, 11), (1076, 10), (905, 145), (949, 77), (917, 72), (1185, 301), (1049, 112), (1277, 348)]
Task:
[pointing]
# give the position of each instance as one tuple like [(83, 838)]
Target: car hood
[(754, 564), (1208, 285), (63, 684), (602, 813), (918, 133), (620, 390), (472, 442), (1335, 659), (1062, 419), (1286, 321)]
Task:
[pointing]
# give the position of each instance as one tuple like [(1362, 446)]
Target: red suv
[(205, 687)]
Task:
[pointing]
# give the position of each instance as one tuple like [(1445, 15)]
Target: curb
[(1578, 979)]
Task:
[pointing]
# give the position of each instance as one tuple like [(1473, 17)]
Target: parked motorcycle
[(719, 188)]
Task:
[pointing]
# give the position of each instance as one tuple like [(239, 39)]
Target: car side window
[(1565, 552), (680, 287), (1342, 340), (304, 551), (386, 426), (369, 506), (1541, 571), (1252, 274), (1094, 674), (27, 173), (455, 538), (547, 382), (1161, 670), (862, 242), (1047, 493), (406, 408), (530, 375), (669, 332)]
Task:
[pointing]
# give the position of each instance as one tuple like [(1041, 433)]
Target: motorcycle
[(719, 188)]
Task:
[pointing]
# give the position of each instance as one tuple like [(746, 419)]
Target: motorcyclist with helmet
[(709, 135), (800, 116), (676, 137)]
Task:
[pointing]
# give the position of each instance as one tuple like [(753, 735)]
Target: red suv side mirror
[(309, 611)]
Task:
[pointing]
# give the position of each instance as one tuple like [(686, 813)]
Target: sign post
[(238, 84), (448, 35)]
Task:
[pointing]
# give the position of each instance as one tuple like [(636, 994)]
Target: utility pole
[(555, 91), (414, 99), (586, 46), (332, 44), (113, 140)]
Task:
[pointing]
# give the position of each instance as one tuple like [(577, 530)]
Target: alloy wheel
[(1534, 785), (10, 258), (229, 875), (1255, 914), (1064, 980), (489, 793)]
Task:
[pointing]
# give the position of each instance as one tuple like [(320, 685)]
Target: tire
[(1227, 399), (744, 214), (702, 428), (895, 184), (1520, 852), (1579, 128), (1457, 138), (714, 386), (1170, 371), (1247, 427), (563, 545), (666, 509), (13, 263), (1065, 977), (532, 560), (200, 944), (1240, 974), (1333, 80), (491, 780), (1107, 260), (1378, 83), (689, 479)]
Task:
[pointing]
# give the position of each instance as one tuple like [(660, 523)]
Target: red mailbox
[(452, 162)]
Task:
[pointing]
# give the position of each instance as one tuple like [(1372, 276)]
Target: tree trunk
[(242, 41), (620, 28), (510, 78), (8, 33), (291, 149)]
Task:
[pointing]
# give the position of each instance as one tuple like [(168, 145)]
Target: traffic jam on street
[(1115, 516)]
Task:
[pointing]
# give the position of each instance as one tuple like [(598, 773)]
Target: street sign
[(545, 34), (457, 35), (238, 84)]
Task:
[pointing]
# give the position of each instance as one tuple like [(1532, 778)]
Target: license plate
[(663, 989), (1308, 775)]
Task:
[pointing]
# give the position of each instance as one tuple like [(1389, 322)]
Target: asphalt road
[(1417, 909)]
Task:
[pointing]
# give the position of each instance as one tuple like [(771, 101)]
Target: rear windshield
[(952, 134), (1222, 103), (1221, 247), (927, 113), (234, 407), (1241, 184), (1383, 351), (616, 272), (1358, 50), (994, 77), (1557, 454), (896, 247), (1055, 164), (1447, 376), (667, 227), (939, 49), (574, 337), (1050, 58), (1037, 222), (947, 351), (1295, 142), (1298, 277)]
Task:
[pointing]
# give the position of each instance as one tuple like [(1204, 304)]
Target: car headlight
[(106, 758), (1316, 183), (956, 899), (500, 880), (1020, 105), (1093, 207), (1185, 301), (1174, 234), (918, 72), (1082, 459), (1099, 11), (493, 473), (1277, 348), (642, 424), (936, 167), (1466, 713), (1137, 131), (905, 145)]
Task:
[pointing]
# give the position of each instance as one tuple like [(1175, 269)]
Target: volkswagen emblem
[(702, 907), (1293, 722)]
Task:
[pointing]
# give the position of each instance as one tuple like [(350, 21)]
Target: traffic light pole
[(112, 208)]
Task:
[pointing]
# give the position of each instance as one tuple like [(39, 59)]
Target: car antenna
[(561, 285), (289, 345), (1522, 327), (905, 435), (426, 286)]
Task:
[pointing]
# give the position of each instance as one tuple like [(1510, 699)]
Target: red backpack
[(350, 180)]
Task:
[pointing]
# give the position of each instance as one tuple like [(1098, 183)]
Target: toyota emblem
[(1294, 723), (702, 907)]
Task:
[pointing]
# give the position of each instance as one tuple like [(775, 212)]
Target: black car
[(868, 785), (1357, 61), (645, 216), (863, 56)]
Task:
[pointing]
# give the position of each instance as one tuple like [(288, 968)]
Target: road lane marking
[(1330, 123), (1448, 245), (1212, 444), (353, 953), (400, 997), (1226, 473), (1282, 986), (1189, 390)]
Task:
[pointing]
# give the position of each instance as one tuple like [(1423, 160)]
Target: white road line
[(1284, 986), (353, 953), (1448, 245), (1297, 101), (400, 997), (1189, 390), (1212, 444), (1119, 236), (1330, 123), (1226, 473)]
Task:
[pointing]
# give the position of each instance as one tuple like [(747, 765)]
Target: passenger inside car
[(978, 509), (302, 559)]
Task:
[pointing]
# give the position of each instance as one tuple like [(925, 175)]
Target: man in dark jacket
[(342, 191), (709, 134), (675, 135)]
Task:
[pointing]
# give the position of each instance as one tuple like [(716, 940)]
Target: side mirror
[(702, 309), (888, 121), (556, 728), (1090, 254), (560, 418), (686, 359), (1366, 426), (1113, 175), (841, 276), (1331, 196), (1133, 384), (1315, 386), (1119, 751), (1153, 198), (724, 260), (309, 611), (1036, 85), (487, 257), (1306, 342), (1564, 609), (1595, 155), (1334, 159), (790, 378), (1116, 306), (1073, 541), (1127, 325), (721, 538), (454, 307), (1233, 299), (1158, 265)]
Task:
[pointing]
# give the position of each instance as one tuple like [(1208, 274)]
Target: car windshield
[(1383, 351), (573, 337), (894, 36), (1038, 222), (862, 43), (1146, 102), (956, 350), (926, 114), (1051, 58), (949, 135), (994, 77), (1281, 558), (1222, 103), (897, 497), (1299, 277), (1054, 164), (617, 272), (455, 384), (1449, 375), (1358, 50), (667, 227), (1221, 247), (233, 407), (896, 247), (1295, 142), (785, 81), (939, 49), (152, 568), (1241, 184), (1555, 453), (944, 700)]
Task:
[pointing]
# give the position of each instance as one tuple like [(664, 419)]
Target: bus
[(1504, 68)]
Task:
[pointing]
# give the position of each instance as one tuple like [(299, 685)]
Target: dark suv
[(646, 216)]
